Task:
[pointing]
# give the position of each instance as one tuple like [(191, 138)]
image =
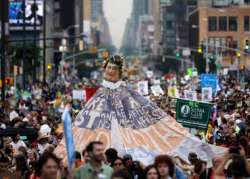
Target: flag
[(68, 137)]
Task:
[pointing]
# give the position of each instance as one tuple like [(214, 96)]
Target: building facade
[(223, 28)]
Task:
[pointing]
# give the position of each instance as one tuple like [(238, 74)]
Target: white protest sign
[(156, 90), (149, 74), (79, 94), (225, 71), (192, 95), (207, 94), (142, 88)]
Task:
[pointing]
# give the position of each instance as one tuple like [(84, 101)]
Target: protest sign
[(79, 94), (173, 91), (207, 94), (193, 114), (188, 94), (143, 88)]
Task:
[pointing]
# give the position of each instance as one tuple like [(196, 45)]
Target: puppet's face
[(112, 72)]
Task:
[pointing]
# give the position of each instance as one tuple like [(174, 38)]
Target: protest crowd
[(31, 128)]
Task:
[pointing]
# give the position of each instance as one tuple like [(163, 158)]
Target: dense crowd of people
[(31, 128)]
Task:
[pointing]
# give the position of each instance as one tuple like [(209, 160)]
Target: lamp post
[(63, 47), (44, 41)]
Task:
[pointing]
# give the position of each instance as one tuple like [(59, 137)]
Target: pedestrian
[(122, 174), (151, 172), (48, 167), (95, 168), (118, 164), (166, 166), (111, 154)]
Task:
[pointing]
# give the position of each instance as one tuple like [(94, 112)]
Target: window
[(169, 24), (246, 23), (247, 1), (212, 23), (232, 23), (222, 23)]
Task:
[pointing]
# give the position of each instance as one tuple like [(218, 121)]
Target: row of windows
[(224, 23)]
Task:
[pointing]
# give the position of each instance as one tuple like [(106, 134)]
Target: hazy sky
[(117, 12)]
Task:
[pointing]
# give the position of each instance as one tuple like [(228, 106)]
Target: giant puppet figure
[(123, 119)]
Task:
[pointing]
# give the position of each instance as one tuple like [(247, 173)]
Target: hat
[(25, 119), (42, 136), (238, 121), (237, 115)]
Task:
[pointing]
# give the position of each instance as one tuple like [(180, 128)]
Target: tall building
[(96, 10), (145, 35), (225, 25), (154, 11), (140, 7), (175, 26), (100, 32)]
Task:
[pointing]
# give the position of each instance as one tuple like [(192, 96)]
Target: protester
[(48, 167), (111, 154), (121, 174), (151, 172), (165, 166), (78, 160), (118, 164), (95, 167), (39, 108)]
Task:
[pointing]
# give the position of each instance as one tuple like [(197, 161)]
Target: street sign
[(186, 52), (193, 114)]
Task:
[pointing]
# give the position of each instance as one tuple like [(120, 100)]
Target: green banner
[(193, 114)]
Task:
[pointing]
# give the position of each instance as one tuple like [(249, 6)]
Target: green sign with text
[(193, 114)]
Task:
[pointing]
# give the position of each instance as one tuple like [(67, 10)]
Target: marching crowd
[(31, 128)]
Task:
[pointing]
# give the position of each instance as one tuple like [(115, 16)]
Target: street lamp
[(63, 46)]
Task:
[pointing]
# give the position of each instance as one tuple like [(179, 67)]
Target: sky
[(117, 12)]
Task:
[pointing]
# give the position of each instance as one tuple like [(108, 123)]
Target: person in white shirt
[(16, 143)]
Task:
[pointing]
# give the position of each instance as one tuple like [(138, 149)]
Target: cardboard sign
[(79, 94), (157, 90), (192, 95), (207, 94), (142, 88)]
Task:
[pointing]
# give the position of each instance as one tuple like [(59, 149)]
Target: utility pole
[(24, 44), (207, 60), (4, 6), (44, 41), (35, 46)]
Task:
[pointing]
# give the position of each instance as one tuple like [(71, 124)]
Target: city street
[(125, 89)]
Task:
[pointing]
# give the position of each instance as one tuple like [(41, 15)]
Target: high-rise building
[(140, 7), (175, 26), (221, 26), (154, 11), (96, 10)]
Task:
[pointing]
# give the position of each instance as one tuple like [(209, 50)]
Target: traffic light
[(246, 45), (238, 54), (199, 50), (49, 67), (177, 54)]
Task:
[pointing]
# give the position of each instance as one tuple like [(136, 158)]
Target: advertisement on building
[(31, 11)]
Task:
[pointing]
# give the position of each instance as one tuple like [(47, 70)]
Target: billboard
[(16, 12)]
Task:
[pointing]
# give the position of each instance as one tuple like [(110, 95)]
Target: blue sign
[(209, 80)]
